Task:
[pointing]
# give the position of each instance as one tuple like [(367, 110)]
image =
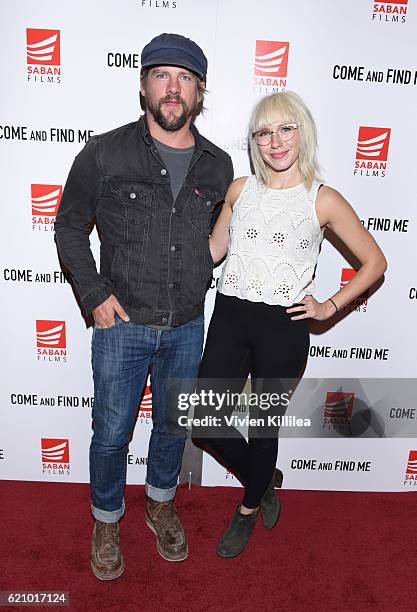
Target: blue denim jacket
[(154, 255)]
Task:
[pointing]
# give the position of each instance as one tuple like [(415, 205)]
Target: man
[(153, 188)]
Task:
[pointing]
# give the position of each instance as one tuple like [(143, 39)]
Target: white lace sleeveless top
[(274, 243)]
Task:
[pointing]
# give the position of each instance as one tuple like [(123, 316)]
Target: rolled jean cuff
[(160, 495), (108, 516)]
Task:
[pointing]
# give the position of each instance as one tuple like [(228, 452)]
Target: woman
[(271, 227)]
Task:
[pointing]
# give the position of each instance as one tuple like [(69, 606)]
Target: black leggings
[(261, 340)]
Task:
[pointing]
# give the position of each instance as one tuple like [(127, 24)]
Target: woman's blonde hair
[(289, 107)]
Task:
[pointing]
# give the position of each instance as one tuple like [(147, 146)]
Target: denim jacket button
[(132, 196), (164, 320), (172, 248), (208, 202), (163, 172)]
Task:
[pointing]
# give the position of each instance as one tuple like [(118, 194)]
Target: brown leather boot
[(106, 559), (171, 541)]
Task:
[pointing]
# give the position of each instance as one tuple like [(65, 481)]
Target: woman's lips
[(278, 155)]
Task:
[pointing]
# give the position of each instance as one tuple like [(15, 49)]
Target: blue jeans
[(122, 355)]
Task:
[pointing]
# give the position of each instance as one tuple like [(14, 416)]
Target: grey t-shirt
[(176, 162)]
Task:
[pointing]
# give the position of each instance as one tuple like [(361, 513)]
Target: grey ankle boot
[(270, 505), (237, 535)]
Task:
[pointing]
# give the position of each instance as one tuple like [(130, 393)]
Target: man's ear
[(200, 90)]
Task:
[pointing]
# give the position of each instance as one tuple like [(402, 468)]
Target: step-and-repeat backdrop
[(71, 70)]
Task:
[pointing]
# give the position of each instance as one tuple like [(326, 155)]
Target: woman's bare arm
[(336, 213), (219, 238)]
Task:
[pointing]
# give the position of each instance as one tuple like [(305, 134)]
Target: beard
[(170, 122)]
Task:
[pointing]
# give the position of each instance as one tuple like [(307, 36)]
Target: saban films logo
[(338, 410), (55, 456), (410, 477), (361, 302), (372, 151), (45, 200), (43, 55), (145, 406), (270, 66), (393, 11), (51, 341)]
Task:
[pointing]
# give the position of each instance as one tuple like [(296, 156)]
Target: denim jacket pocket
[(135, 199), (202, 205), (127, 209), (124, 203)]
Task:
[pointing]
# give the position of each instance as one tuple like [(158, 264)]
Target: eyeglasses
[(284, 133)]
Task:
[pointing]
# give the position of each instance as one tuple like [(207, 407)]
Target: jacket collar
[(201, 143)]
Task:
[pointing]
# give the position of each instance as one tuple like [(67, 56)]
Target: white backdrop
[(354, 65)]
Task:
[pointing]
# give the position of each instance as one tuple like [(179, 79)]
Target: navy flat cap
[(175, 50)]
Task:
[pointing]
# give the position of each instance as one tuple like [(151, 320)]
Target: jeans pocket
[(117, 321), (100, 329)]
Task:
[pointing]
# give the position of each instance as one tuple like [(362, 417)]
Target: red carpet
[(330, 551)]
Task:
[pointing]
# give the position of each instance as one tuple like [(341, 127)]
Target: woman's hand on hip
[(310, 308)]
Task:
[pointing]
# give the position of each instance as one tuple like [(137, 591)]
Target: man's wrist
[(96, 298)]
